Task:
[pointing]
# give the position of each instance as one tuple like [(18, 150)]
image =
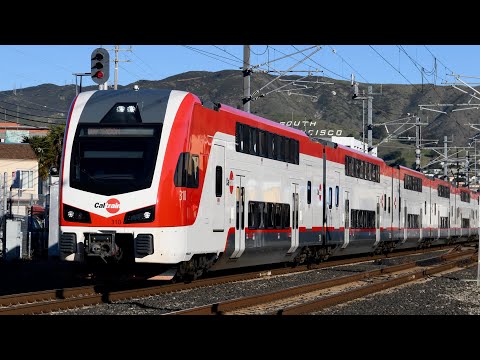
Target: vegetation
[(48, 149)]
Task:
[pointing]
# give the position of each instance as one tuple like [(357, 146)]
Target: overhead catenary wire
[(232, 55), (323, 67), (346, 62), (28, 107), (210, 55), (389, 63)]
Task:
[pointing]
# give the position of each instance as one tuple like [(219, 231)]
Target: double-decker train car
[(157, 177)]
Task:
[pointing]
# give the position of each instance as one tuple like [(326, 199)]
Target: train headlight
[(73, 214), (143, 215)]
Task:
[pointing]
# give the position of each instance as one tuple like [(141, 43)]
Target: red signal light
[(99, 74)]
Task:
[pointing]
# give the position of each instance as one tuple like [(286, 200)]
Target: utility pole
[(369, 99), (467, 169), (116, 61), (246, 77), (445, 154), (417, 143)]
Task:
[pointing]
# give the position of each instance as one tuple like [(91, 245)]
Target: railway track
[(63, 299), (310, 298)]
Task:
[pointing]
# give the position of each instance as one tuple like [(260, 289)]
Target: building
[(13, 133), (18, 177), (353, 143)]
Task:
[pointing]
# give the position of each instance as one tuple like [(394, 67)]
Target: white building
[(353, 143)]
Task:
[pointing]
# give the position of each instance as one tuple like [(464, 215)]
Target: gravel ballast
[(453, 293)]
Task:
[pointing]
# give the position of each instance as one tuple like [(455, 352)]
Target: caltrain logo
[(230, 181), (112, 206)]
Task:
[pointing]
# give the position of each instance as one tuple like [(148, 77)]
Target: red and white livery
[(157, 177)]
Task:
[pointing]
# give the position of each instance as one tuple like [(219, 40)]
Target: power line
[(27, 107), (351, 67), (232, 55), (206, 53), (393, 67), (27, 114), (31, 102), (435, 57), (261, 53), (145, 71), (153, 70), (323, 67)]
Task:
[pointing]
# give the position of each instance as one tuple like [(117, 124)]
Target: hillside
[(332, 109)]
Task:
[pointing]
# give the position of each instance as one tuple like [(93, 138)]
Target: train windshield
[(110, 160)]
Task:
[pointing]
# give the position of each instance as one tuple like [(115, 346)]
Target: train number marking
[(116, 222), (183, 195)]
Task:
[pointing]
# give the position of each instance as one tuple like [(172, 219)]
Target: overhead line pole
[(246, 77)]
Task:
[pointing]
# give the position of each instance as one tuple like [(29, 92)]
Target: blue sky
[(25, 65)]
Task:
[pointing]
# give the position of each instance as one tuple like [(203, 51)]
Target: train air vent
[(68, 243), (143, 245)]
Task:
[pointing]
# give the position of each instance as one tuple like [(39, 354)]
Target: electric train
[(155, 176)]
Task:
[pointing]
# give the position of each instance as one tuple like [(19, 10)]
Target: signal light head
[(99, 65)]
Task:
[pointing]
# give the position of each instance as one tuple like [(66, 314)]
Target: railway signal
[(100, 64)]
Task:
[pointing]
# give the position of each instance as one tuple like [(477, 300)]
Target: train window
[(309, 192), (357, 168), (259, 218), (262, 143), (270, 216), (425, 208), (239, 137), (278, 216), (296, 151), (187, 171), (246, 139), (280, 148), (337, 195), (362, 169), (286, 150), (435, 209), (218, 181), (271, 146), (286, 216), (389, 204), (329, 197), (384, 202), (251, 215), (253, 141), (192, 172)]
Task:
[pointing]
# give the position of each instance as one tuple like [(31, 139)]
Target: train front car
[(117, 202)]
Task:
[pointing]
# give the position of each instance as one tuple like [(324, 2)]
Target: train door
[(239, 216), (218, 214), (308, 219), (377, 223), (346, 231), (336, 213), (294, 217)]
